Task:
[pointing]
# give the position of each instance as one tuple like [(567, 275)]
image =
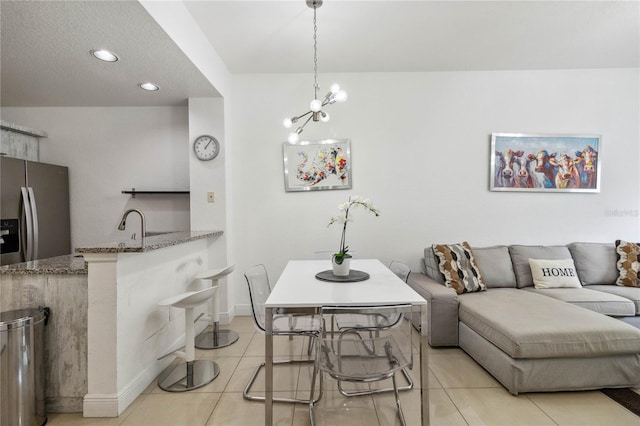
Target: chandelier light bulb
[(293, 137), (315, 105), (324, 116), (341, 96), (335, 88), (287, 123)]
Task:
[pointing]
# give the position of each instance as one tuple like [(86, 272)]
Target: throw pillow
[(554, 273), (459, 268), (628, 264)]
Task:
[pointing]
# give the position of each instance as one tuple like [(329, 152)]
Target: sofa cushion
[(431, 268), (554, 273), (495, 266), (631, 293), (597, 301), (525, 324), (628, 264), (595, 262), (520, 256), (458, 267)]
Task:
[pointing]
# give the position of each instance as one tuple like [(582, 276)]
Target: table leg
[(268, 369), (424, 366)]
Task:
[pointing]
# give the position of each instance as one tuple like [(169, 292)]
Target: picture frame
[(545, 163), (317, 165)]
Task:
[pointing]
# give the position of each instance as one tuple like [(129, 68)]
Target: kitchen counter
[(69, 264), (150, 242), (75, 263)]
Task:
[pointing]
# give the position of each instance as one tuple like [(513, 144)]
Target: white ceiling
[(45, 59)]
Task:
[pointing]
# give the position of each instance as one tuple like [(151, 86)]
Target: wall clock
[(206, 147)]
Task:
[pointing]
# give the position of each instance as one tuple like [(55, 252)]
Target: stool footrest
[(171, 352), (205, 317)]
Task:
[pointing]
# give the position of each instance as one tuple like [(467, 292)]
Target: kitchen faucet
[(123, 223)]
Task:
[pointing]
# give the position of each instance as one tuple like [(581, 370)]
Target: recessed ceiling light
[(104, 55), (149, 86)]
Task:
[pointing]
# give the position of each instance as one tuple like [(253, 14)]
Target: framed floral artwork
[(317, 165), (545, 163)]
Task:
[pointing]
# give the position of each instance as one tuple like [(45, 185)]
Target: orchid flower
[(344, 219)]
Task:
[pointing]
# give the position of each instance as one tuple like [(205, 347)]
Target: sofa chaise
[(539, 339)]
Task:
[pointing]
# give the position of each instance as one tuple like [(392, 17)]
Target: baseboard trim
[(100, 405), (112, 405), (243, 311)]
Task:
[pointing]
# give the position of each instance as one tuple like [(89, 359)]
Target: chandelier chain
[(335, 94), (316, 88)]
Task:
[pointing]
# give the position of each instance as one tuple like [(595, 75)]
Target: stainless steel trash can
[(22, 391)]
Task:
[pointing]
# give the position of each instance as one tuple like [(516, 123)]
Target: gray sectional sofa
[(534, 340)]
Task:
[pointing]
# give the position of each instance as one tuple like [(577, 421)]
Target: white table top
[(298, 286)]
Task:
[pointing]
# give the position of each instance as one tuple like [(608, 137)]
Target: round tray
[(353, 276)]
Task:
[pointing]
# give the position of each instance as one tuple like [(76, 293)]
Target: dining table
[(303, 288)]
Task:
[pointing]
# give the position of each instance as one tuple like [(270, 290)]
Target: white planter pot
[(343, 269)]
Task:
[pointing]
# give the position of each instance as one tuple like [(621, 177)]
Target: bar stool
[(215, 338), (193, 373)]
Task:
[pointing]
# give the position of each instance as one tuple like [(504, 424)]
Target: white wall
[(207, 117), (420, 151), (112, 149)]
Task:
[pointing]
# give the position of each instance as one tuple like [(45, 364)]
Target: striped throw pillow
[(459, 268)]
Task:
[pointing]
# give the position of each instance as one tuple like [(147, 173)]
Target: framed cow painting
[(317, 165), (545, 163)]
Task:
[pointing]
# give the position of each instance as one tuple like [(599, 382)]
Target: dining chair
[(283, 325), (373, 323), (347, 356)]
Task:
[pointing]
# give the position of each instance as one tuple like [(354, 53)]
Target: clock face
[(206, 147)]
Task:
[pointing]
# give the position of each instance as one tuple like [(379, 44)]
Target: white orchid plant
[(344, 218)]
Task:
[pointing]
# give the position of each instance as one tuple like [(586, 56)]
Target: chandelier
[(335, 94)]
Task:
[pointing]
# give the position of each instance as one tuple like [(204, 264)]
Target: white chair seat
[(192, 373), (214, 274), (215, 338), (189, 299)]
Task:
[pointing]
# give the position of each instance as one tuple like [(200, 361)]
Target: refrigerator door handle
[(34, 217), (27, 249)]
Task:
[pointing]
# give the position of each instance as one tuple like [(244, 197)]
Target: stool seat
[(215, 338), (189, 299), (191, 373), (214, 274)]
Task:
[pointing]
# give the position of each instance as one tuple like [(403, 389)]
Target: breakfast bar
[(127, 330), (106, 330)]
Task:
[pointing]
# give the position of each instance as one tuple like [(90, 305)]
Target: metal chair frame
[(402, 271), (291, 332), (323, 364)]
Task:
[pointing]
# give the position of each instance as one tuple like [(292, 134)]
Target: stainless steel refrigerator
[(34, 211)]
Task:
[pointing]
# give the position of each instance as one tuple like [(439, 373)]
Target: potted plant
[(341, 260)]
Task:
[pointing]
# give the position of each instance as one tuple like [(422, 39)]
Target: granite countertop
[(75, 263), (67, 264), (150, 242)]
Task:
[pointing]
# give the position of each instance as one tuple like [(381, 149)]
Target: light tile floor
[(461, 393)]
